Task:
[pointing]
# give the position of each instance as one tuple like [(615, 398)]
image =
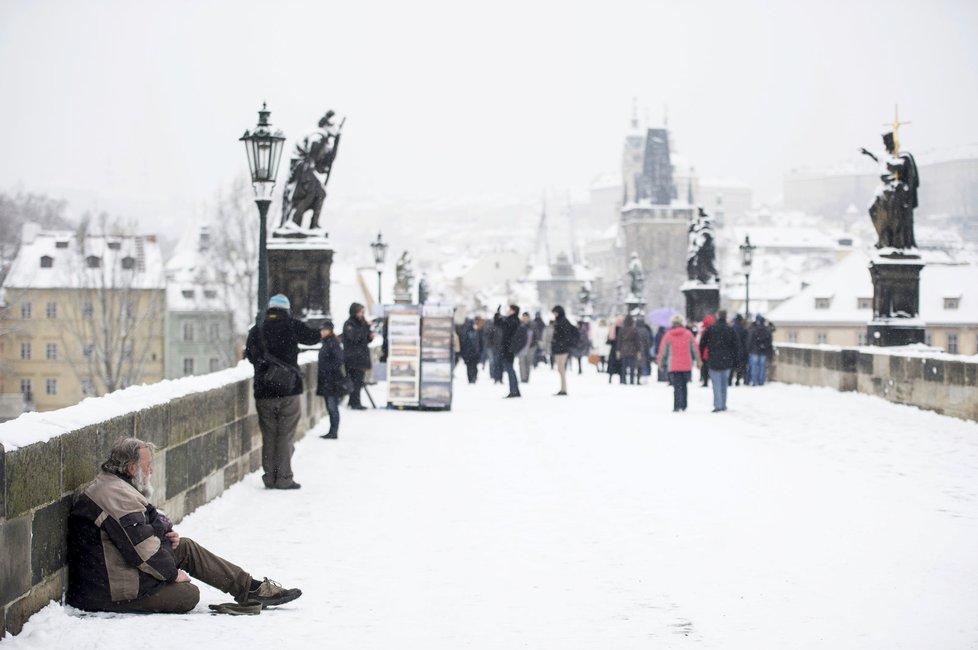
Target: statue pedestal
[(402, 298), (299, 267), (700, 300), (633, 303), (896, 298)]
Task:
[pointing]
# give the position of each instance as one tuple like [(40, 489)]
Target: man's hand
[(174, 538), (182, 576)]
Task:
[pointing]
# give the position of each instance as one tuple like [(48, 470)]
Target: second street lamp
[(746, 261), (264, 150), (379, 249)]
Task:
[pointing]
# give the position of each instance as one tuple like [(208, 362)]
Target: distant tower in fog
[(632, 159)]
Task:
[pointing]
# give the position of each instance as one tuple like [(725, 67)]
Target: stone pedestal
[(700, 300), (896, 299), (299, 268)]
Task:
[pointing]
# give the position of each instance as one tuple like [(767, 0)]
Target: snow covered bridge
[(800, 518)]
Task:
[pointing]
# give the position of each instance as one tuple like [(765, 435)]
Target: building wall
[(67, 334), (659, 236), (961, 339), (206, 442), (211, 342)]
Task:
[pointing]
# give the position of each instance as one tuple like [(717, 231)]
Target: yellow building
[(838, 305), (82, 315)]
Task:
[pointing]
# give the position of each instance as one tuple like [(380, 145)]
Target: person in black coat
[(330, 377), (722, 344), (564, 339), (740, 370), (356, 337), (506, 329), (472, 347), (278, 408)]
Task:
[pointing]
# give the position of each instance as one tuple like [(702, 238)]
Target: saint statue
[(896, 197), (312, 161), (584, 299), (636, 276), (404, 273), (701, 255), (423, 289)]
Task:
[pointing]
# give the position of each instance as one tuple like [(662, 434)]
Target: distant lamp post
[(746, 261), (379, 248), (264, 150)]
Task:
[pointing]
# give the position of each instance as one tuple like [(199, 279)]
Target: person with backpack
[(278, 404), (564, 339)]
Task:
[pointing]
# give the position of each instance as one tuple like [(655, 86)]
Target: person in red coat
[(677, 353)]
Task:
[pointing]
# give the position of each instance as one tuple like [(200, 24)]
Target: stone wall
[(944, 383), (206, 442)]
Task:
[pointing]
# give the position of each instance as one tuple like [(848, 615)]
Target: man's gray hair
[(125, 452)]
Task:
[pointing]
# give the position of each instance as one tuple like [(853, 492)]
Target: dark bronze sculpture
[(896, 197), (314, 156), (701, 254)]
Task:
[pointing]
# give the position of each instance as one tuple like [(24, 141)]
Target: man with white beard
[(124, 556)]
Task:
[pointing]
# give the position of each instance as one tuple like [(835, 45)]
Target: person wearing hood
[(472, 347), (330, 377), (677, 352), (279, 407), (506, 328), (708, 321), (760, 345), (564, 339), (356, 338)]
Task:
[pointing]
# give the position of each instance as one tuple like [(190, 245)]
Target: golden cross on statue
[(896, 128)]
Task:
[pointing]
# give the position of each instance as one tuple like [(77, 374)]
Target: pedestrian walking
[(565, 336), (721, 342), (525, 354), (629, 346), (539, 351), (507, 326), (677, 353), (708, 321), (330, 377), (645, 350), (278, 404), (760, 346), (614, 364), (356, 338), (472, 347), (739, 373)]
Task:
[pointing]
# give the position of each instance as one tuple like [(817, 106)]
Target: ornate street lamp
[(379, 248), (264, 150), (746, 261)]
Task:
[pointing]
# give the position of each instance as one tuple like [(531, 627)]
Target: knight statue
[(309, 171), (701, 254)]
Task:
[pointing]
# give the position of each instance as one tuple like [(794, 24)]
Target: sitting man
[(124, 556)]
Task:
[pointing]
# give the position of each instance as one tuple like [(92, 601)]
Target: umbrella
[(661, 317)]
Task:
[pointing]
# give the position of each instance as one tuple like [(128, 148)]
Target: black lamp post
[(264, 150), (379, 248), (746, 260)]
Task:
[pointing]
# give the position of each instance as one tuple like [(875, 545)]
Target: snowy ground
[(800, 518)]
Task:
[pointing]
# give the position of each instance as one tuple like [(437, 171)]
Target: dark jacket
[(741, 332), (117, 549), (759, 339), (722, 344), (356, 336), (506, 328), (330, 375), (283, 334), (565, 334), (471, 344), (629, 344)]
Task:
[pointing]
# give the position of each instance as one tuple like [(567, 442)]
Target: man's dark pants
[(333, 408), (514, 383), (679, 381), (278, 418), (356, 376), (472, 370)]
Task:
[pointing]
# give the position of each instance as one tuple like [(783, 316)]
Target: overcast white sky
[(118, 100)]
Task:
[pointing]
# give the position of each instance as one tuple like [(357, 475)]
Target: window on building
[(88, 351), (128, 263), (51, 386), (187, 293), (792, 336), (61, 244), (51, 351), (188, 366), (214, 331), (821, 337), (25, 351), (51, 310), (47, 261), (25, 310), (88, 310), (952, 343), (210, 294), (25, 389), (88, 388), (823, 303), (862, 339), (188, 331), (93, 262), (928, 339), (864, 303), (952, 303), (130, 310), (114, 245), (215, 364)]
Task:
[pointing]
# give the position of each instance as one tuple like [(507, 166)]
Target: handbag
[(275, 372), (345, 387)]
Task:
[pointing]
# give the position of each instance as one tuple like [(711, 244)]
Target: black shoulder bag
[(278, 374)]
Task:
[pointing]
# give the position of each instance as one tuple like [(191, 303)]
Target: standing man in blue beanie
[(278, 405)]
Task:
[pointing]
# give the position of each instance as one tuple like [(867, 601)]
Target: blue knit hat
[(278, 301)]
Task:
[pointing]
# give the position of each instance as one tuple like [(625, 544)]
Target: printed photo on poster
[(402, 368), (436, 393), (437, 371), (402, 390)]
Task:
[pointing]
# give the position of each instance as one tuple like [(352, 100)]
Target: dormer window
[(864, 303), (210, 293), (114, 245), (61, 244), (93, 262), (128, 263), (823, 303), (47, 261), (952, 303), (187, 293)]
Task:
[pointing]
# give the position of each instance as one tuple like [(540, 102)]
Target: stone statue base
[(896, 298), (402, 298), (700, 300), (300, 269)]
